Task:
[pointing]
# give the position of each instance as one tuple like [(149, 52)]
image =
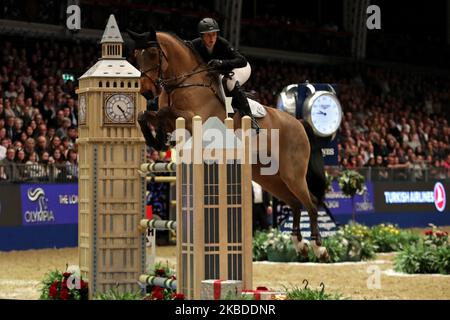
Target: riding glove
[(215, 63)]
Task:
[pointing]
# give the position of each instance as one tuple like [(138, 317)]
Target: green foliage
[(297, 293), (259, 247), (279, 247), (159, 293), (56, 286), (423, 259), (328, 181), (351, 183), (350, 243), (388, 238), (430, 255), (114, 294)]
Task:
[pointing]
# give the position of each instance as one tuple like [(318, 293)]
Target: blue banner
[(48, 204)]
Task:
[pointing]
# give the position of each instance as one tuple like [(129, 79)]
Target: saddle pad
[(258, 110)]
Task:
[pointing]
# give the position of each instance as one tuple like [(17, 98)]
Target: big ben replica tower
[(111, 191)]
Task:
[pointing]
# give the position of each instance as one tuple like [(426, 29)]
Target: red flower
[(53, 291), (428, 232), (160, 272), (177, 296), (66, 274), (158, 293), (83, 284), (439, 234), (64, 295)]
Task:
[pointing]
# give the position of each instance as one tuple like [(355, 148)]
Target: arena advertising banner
[(10, 206), (430, 197), (339, 203), (47, 204)]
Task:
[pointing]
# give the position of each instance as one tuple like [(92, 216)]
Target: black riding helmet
[(208, 25)]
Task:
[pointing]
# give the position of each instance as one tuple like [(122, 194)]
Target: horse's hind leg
[(300, 189), (276, 186)]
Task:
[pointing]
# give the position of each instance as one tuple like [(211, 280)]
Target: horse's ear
[(152, 35)]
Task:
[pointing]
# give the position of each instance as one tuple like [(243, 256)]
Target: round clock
[(119, 108), (323, 111), (82, 109)]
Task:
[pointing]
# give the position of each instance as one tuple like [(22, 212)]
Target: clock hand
[(321, 112), (121, 109)]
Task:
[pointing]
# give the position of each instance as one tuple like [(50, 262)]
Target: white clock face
[(120, 108), (82, 109), (326, 114)]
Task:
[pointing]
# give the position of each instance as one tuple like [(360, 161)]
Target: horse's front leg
[(152, 139)]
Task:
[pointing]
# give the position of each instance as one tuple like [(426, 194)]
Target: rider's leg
[(239, 74), (240, 101)]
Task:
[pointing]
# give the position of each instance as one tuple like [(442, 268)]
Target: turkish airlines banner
[(412, 197)]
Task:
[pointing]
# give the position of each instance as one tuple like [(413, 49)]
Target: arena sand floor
[(22, 271)]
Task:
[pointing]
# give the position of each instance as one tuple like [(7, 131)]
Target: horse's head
[(152, 62)]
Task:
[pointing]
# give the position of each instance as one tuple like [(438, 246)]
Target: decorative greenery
[(435, 237), (351, 183), (297, 293), (350, 243), (388, 238), (159, 293), (279, 247), (423, 259), (328, 181), (259, 246), (430, 255), (114, 294), (57, 285)]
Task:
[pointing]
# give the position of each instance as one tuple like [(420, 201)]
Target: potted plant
[(352, 183)]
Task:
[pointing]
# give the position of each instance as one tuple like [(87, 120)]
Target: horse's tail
[(315, 176)]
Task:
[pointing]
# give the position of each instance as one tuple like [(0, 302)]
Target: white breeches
[(241, 75)]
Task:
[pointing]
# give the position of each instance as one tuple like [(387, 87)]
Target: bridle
[(176, 82)]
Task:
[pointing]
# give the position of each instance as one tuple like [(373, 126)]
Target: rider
[(218, 53)]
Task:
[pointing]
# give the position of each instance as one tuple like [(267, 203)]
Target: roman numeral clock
[(111, 191)]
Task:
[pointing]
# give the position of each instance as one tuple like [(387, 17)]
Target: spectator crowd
[(392, 118)]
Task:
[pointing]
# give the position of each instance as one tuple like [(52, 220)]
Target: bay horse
[(172, 71)]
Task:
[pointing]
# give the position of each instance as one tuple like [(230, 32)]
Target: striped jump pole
[(168, 283), (158, 167), (157, 224)]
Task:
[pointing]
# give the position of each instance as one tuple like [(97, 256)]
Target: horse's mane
[(185, 43)]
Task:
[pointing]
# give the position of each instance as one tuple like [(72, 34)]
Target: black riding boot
[(240, 102)]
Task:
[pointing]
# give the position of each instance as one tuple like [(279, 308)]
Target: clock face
[(82, 109), (326, 114), (119, 109)]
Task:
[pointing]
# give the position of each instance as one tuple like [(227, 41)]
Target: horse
[(172, 71)]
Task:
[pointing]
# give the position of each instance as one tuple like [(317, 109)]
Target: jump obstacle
[(215, 215), (214, 219)]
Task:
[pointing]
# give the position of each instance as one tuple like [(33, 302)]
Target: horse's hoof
[(302, 246), (320, 252)]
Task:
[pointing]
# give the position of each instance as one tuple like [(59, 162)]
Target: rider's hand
[(215, 64)]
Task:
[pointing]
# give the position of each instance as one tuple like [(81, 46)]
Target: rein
[(166, 83)]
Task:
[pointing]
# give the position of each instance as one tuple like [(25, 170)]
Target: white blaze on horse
[(186, 87)]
